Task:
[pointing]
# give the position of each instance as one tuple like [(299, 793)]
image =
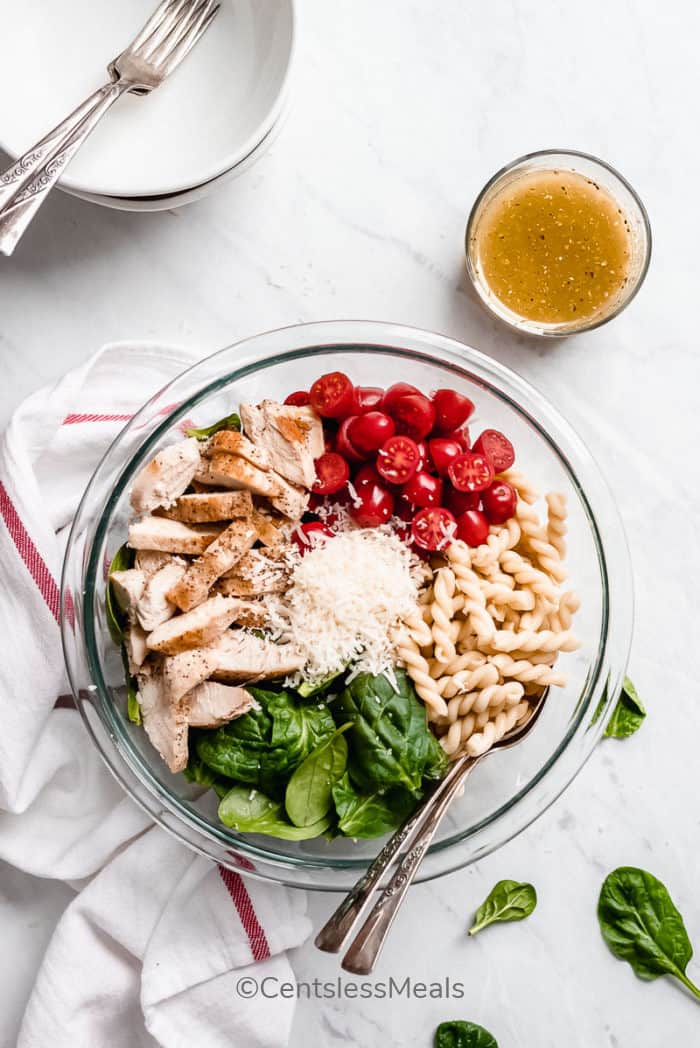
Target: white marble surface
[(401, 110)]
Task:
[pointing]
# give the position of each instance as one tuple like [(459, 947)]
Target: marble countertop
[(401, 111)]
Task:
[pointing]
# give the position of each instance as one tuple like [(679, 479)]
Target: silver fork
[(166, 38), (418, 832)]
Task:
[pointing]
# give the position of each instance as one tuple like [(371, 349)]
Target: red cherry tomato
[(414, 415), (299, 399), (499, 502), (365, 475), (308, 536), (497, 448), (404, 510), (424, 461), (423, 489), (444, 450), (374, 506), (452, 409), (398, 459), (471, 472), (368, 398), (461, 435), (368, 432), (332, 473), (399, 389), (460, 501), (473, 527), (433, 529), (343, 444), (333, 395), (329, 440)]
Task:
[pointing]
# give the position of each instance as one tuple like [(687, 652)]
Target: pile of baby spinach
[(352, 765)]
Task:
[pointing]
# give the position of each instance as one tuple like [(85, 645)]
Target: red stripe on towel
[(72, 419), (30, 554), (254, 930)]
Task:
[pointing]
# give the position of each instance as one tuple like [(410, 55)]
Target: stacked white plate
[(207, 123)]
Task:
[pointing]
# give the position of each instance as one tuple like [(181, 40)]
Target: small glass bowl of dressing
[(557, 242)]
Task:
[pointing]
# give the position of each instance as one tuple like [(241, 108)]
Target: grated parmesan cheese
[(345, 596)]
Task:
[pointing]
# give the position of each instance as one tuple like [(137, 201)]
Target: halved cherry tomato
[(307, 536), (433, 529), (365, 475), (497, 448), (451, 410), (460, 501), (299, 399), (398, 459), (413, 414), (461, 435), (332, 473), (368, 432), (333, 395), (499, 501), (471, 472), (374, 506), (368, 398), (444, 450), (343, 444), (423, 489), (399, 389), (473, 527)]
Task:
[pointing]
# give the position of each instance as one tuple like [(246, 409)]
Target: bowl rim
[(223, 166), (362, 337)]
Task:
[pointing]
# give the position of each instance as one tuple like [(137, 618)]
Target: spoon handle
[(367, 944)]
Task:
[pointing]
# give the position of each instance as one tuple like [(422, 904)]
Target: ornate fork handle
[(27, 184)]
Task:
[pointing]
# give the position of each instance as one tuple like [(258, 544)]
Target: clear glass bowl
[(603, 175), (509, 789)]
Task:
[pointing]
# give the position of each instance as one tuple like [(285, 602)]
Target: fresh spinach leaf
[(628, 714), (507, 901), (133, 706), (370, 814), (197, 772), (264, 746), (641, 925), (229, 422), (122, 560), (308, 794), (459, 1034), (390, 741), (312, 690), (250, 811)]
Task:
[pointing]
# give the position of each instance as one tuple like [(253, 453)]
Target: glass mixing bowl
[(509, 789)]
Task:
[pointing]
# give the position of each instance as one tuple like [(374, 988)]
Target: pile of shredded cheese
[(345, 596)]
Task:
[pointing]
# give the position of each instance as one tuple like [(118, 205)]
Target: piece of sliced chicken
[(196, 628), (172, 536), (229, 471), (259, 572), (165, 722), (244, 657), (136, 648), (209, 506), (154, 606), (166, 477), (127, 587), (269, 527), (291, 438), (231, 442), (210, 704), (193, 586), (291, 500), (150, 561), (181, 673)]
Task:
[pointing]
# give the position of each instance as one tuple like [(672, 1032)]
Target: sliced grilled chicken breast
[(127, 587), (242, 656), (172, 536), (229, 471), (154, 606), (290, 500), (150, 560), (165, 722), (136, 648), (166, 477), (232, 442), (193, 586), (181, 673), (196, 628), (210, 704), (291, 438), (259, 572), (208, 506)]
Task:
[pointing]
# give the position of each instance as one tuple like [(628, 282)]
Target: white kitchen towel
[(154, 946)]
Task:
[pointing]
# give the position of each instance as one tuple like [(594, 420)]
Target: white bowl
[(208, 117)]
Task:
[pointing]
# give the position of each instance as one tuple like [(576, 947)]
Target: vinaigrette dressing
[(554, 247)]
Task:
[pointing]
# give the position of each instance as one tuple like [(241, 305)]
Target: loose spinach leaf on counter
[(264, 746), (459, 1034), (251, 811), (641, 925), (308, 795), (122, 560), (628, 715), (390, 741), (507, 901), (229, 422), (370, 814)]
